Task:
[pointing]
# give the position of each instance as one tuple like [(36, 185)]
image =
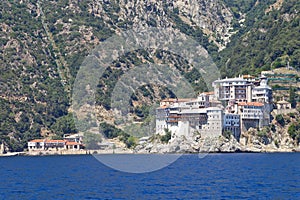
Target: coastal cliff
[(212, 145)]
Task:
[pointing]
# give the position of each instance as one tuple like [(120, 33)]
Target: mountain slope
[(43, 44), (269, 39)]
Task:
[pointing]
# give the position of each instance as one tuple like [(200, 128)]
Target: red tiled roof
[(55, 141), (72, 143), (282, 102), (168, 100), (48, 141), (185, 100), (208, 93), (178, 100), (173, 121), (163, 106), (250, 104), (37, 140), (248, 76), (174, 116)]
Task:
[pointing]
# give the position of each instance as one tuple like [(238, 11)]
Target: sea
[(213, 176)]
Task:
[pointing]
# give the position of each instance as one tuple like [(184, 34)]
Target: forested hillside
[(268, 39), (43, 43)]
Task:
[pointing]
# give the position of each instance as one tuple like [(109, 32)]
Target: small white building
[(74, 137), (283, 105), (46, 144), (36, 144), (203, 100)]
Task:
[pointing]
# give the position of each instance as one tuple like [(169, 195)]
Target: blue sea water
[(216, 176)]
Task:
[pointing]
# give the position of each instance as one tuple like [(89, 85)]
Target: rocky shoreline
[(209, 145), (204, 146)]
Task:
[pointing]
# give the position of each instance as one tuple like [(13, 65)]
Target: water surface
[(217, 176)]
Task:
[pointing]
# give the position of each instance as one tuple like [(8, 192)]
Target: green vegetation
[(294, 131), (273, 128), (33, 96), (227, 134), (280, 120), (64, 125), (111, 131), (264, 135), (265, 41), (167, 136), (194, 32), (238, 6), (292, 96), (130, 142), (147, 127), (276, 143), (142, 111), (92, 140)]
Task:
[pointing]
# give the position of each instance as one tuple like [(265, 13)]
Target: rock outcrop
[(213, 145)]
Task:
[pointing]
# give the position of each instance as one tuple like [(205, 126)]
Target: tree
[(227, 134), (294, 131), (92, 140), (64, 125), (165, 138), (292, 99), (130, 142), (280, 120), (263, 135), (109, 131)]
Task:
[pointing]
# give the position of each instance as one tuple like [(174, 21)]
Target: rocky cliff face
[(215, 145), (213, 17), (210, 15)]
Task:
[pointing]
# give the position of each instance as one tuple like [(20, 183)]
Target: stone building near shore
[(46, 144), (235, 105)]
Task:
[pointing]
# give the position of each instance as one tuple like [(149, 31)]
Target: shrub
[(227, 134), (294, 131), (165, 138), (276, 143), (92, 140), (109, 131), (280, 120), (263, 135), (273, 128), (130, 142)]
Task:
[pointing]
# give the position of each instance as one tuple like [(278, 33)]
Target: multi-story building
[(248, 100), (186, 117), (237, 89), (243, 90)]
